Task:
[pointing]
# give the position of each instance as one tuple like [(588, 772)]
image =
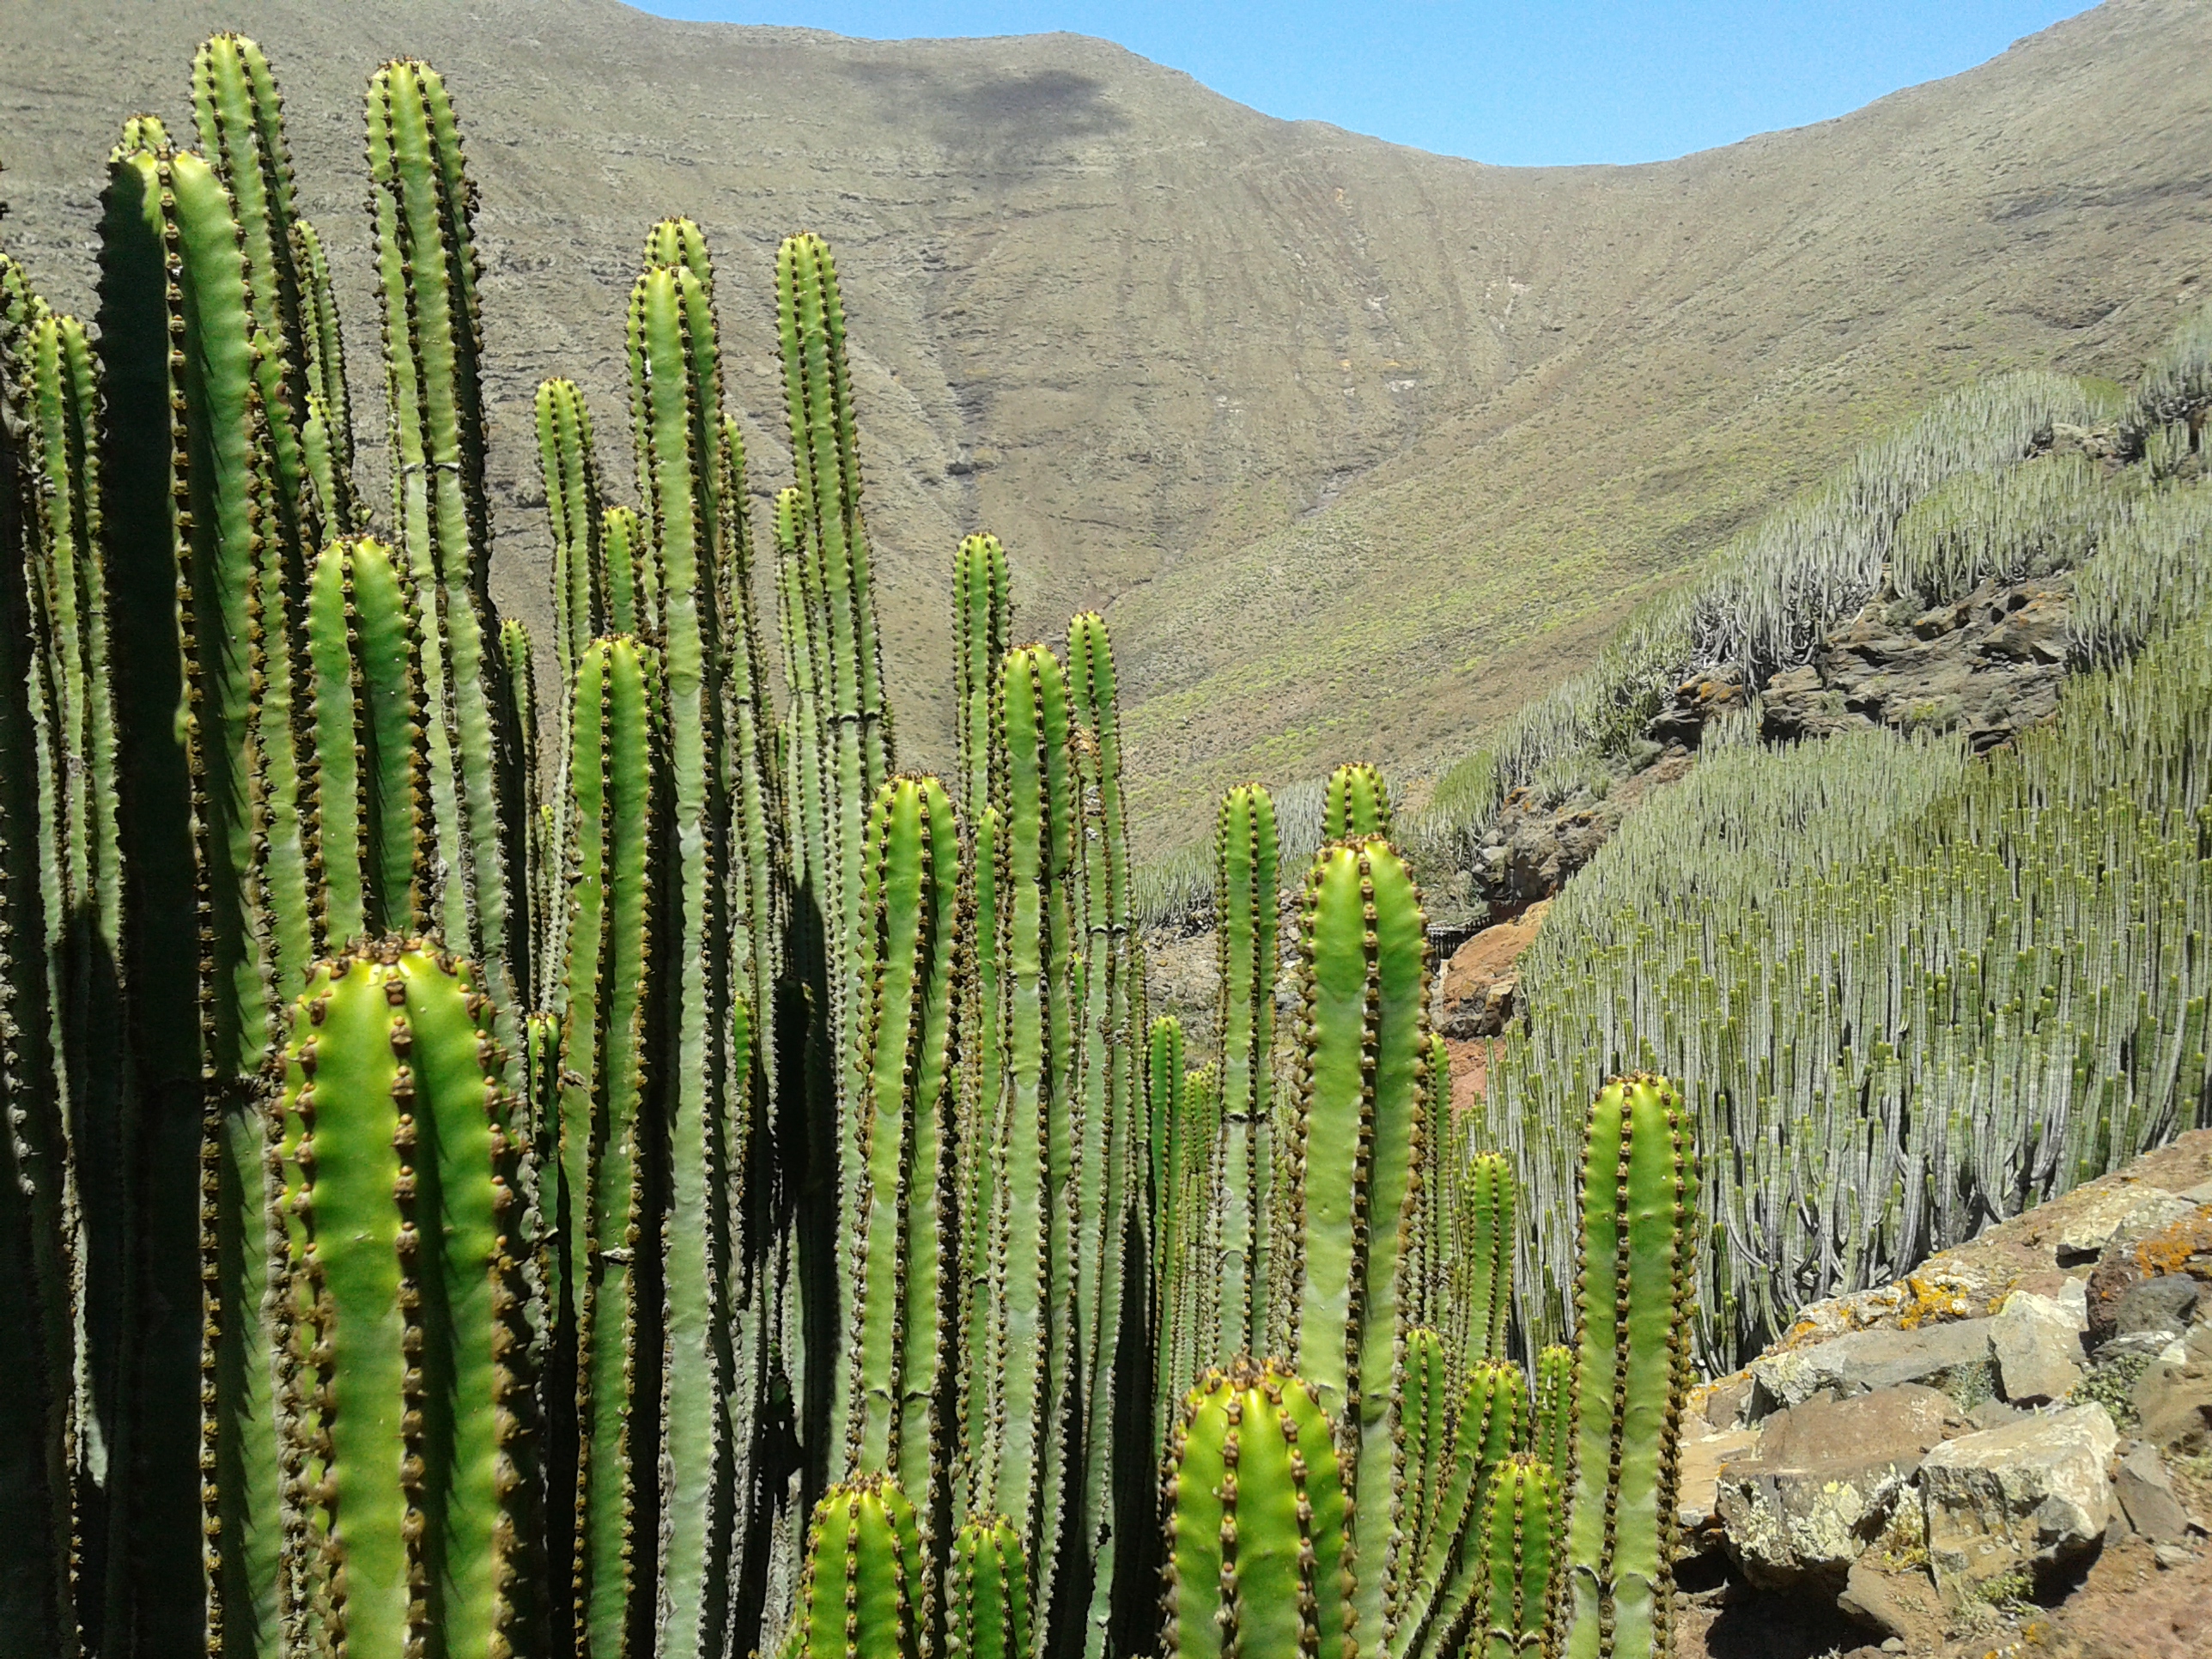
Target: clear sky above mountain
[(1566, 81)]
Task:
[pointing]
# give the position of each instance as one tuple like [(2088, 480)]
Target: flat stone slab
[(1867, 1361), (2030, 1495)]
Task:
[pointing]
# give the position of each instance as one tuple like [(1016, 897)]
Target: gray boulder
[(1942, 1356), (2146, 1496), (1827, 1477), (2037, 1343), (2030, 1495)]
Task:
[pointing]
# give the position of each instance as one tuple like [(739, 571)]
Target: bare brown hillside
[(1362, 445)]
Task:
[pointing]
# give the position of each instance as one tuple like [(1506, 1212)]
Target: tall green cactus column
[(676, 409), (893, 1392), (867, 1593), (367, 799), (1258, 1560), (65, 1102), (1032, 1243), (170, 921), (604, 1291), (1356, 804), (982, 614), (1244, 862), (1363, 954), (421, 201), (1520, 1552), (412, 1420), (1634, 1301)]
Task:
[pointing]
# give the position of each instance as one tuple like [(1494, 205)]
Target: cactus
[(1519, 1545), (1244, 855), (409, 1419), (1356, 806), (675, 406), (1258, 1564), (616, 775), (570, 471), (1033, 1232), (367, 785), (902, 1274), (1634, 1299), (868, 1594), (1363, 979), (1554, 1439), (326, 431), (982, 612), (426, 279), (987, 1592), (1443, 1579)]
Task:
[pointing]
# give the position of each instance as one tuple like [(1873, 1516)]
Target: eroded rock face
[(1988, 666), (2026, 1497), (1480, 980), (2173, 1397), (1828, 1475)]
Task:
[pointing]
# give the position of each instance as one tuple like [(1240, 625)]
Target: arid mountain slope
[(1362, 445)]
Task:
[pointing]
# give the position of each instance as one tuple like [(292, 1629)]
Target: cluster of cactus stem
[(687, 1186)]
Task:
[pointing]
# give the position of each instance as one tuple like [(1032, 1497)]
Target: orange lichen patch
[(2183, 1247), (1930, 1302)]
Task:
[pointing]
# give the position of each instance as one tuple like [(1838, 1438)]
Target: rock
[(1705, 1458), (1826, 1477), (2173, 1397), (2170, 1556), (1940, 1356), (1696, 700), (2099, 1218), (1480, 980), (1987, 666), (2037, 1343), (1725, 1400), (2032, 1495), (1993, 1414), (2152, 1305), (2160, 1240), (2146, 1496), (1897, 1605)]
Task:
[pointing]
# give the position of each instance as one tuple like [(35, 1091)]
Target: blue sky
[(1523, 84)]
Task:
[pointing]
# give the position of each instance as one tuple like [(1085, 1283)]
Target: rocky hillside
[(2009, 1450), (1363, 446)]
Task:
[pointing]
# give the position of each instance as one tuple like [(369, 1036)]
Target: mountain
[(1361, 447)]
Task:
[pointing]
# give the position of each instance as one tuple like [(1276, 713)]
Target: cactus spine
[(1245, 856), (1258, 1564), (1363, 970), (1634, 1299)]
